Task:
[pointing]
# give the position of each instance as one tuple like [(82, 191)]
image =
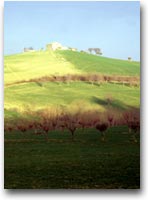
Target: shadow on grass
[(99, 101), (39, 84), (94, 83), (114, 104)]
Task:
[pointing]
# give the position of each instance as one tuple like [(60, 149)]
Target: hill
[(39, 95), (92, 63), (30, 65)]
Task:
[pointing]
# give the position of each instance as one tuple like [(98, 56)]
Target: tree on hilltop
[(96, 50)]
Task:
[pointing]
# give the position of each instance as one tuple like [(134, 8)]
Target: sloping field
[(35, 64), (71, 96), (38, 95), (25, 66), (92, 63)]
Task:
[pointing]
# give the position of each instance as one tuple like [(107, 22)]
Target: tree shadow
[(39, 84), (96, 100), (113, 104), (93, 84)]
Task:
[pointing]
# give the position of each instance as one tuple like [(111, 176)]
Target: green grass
[(68, 96), (86, 162), (25, 66), (92, 63)]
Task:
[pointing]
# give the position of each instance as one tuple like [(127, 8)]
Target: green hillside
[(92, 63), (29, 65), (25, 66), (73, 96), (34, 95)]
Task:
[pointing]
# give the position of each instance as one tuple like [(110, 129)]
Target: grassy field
[(29, 65), (92, 63), (68, 96), (37, 95), (84, 163), (25, 66)]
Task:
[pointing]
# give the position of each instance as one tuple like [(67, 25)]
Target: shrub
[(22, 128), (132, 120), (102, 127), (110, 118), (70, 122)]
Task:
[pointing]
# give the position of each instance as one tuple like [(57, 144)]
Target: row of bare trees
[(91, 78), (79, 120)]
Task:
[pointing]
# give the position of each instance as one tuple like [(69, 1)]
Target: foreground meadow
[(82, 163)]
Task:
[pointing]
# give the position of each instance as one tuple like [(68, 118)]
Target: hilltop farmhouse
[(57, 46), (51, 47)]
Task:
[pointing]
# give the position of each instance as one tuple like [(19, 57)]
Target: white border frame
[(86, 194)]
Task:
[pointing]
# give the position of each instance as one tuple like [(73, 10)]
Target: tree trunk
[(46, 136), (72, 135), (129, 130), (103, 136)]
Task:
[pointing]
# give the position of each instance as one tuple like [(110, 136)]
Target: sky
[(112, 26)]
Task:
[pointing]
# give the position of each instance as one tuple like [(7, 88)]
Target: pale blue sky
[(112, 26)]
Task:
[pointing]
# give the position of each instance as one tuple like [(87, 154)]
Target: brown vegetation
[(91, 78), (47, 121)]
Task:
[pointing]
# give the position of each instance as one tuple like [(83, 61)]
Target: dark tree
[(102, 128), (129, 58), (97, 51)]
